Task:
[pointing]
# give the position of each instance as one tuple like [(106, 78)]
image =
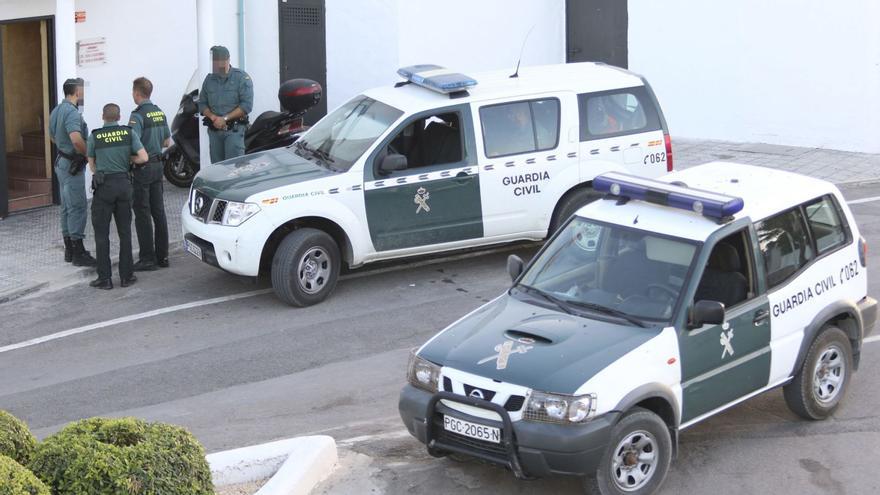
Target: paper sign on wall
[(91, 52)]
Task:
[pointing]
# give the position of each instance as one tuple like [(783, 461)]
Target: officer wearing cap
[(68, 130), (150, 125), (111, 150), (226, 99)]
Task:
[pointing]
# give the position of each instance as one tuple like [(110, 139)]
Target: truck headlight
[(557, 408), (422, 373), (236, 214)]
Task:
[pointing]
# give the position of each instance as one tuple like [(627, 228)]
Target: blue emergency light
[(437, 78), (706, 203)]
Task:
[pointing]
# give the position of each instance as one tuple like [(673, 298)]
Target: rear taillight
[(863, 252), (668, 152)]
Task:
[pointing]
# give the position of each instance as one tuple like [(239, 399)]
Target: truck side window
[(785, 245), (825, 224), (727, 277), (433, 140), (520, 127), (616, 113)]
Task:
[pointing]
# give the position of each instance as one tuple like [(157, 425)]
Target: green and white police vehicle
[(433, 164), (652, 309)]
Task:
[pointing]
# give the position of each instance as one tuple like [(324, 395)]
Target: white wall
[(797, 72), (166, 55)]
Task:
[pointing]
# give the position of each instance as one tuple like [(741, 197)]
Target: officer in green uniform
[(226, 99), (150, 125), (110, 151), (68, 130)]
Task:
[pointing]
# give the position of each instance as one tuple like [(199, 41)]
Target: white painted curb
[(295, 465)]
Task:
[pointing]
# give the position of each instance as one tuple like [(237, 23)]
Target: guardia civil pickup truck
[(432, 164), (661, 305)]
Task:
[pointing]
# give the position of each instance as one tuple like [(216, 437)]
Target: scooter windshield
[(194, 84), (339, 139)]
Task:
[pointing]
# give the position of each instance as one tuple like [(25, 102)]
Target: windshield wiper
[(321, 157), (547, 297), (608, 311)]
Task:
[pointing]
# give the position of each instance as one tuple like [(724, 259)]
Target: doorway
[(596, 31), (25, 150), (302, 34)]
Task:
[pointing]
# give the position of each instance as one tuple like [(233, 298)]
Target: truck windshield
[(339, 139), (610, 269)]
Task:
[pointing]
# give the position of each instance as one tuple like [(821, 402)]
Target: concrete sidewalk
[(31, 249)]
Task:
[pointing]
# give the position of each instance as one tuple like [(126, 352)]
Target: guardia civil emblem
[(421, 199), (504, 351), (726, 340)]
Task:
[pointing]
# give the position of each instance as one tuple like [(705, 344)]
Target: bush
[(101, 456), (16, 440), (16, 479)]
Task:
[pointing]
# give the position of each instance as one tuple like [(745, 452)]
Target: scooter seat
[(265, 121)]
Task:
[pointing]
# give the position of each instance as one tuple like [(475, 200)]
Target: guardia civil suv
[(435, 163), (657, 307)]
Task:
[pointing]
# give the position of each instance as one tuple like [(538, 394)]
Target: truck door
[(723, 363), (433, 195)]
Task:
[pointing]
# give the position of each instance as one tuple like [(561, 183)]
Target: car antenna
[(521, 50)]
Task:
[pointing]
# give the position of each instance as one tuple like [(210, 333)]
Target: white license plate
[(472, 430), (193, 249)]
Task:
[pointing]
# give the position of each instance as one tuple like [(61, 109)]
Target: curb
[(295, 465)]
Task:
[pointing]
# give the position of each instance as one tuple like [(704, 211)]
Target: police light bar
[(436, 78), (706, 203)]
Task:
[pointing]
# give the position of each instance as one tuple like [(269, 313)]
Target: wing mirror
[(706, 313), (515, 266), (392, 163)]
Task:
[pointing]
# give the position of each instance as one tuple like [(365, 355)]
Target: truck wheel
[(568, 205), (305, 267), (820, 384), (638, 456)]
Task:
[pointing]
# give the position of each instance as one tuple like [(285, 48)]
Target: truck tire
[(305, 267), (568, 205), (637, 458), (821, 383)]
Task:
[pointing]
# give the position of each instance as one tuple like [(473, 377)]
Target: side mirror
[(392, 163), (514, 266), (706, 312)]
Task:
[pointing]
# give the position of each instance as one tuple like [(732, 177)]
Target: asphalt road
[(237, 367)]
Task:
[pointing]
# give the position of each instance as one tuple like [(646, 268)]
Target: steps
[(28, 185)]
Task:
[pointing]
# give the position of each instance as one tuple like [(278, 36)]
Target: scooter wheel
[(180, 170)]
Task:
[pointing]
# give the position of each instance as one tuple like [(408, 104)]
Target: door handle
[(461, 178), (761, 316)]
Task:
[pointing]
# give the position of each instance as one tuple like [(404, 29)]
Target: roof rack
[(438, 79)]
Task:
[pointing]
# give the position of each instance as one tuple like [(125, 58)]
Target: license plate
[(193, 249), (472, 430)]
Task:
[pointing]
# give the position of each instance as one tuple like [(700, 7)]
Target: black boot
[(81, 257), (125, 282), (101, 283), (68, 249)]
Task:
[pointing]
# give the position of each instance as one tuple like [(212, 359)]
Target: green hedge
[(16, 440), (16, 479), (128, 456)]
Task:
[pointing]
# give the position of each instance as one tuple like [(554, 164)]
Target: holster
[(77, 162)]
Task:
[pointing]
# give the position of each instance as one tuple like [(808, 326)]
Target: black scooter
[(270, 130)]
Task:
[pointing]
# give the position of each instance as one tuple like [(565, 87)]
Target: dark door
[(303, 46), (436, 198), (597, 31), (4, 184)]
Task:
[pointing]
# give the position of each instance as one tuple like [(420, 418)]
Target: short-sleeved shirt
[(112, 146), (148, 121), (222, 94), (65, 118)]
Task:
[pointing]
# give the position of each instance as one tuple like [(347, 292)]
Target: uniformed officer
[(226, 99), (150, 125), (68, 130), (110, 151)]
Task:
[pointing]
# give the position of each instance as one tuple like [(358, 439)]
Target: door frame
[(282, 47), (53, 88)]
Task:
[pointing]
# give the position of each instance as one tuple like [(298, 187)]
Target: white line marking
[(863, 200), (130, 318), (875, 338)]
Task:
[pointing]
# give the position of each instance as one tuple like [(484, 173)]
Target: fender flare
[(651, 391), (854, 332)]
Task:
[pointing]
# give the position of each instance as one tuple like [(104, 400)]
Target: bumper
[(235, 249), (529, 449), (868, 309)]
